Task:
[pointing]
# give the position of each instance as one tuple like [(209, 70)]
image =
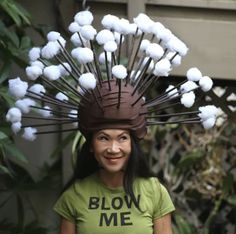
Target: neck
[(111, 180)]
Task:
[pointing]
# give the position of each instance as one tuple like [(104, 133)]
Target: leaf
[(190, 159), (9, 36), (18, 14), (228, 182), (5, 170), (5, 70), (23, 13), (231, 200), (175, 230), (8, 100), (25, 43), (3, 136), (77, 143), (183, 226), (14, 152)]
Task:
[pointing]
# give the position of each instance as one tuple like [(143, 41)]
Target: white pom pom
[(16, 127), (110, 46), (73, 115), (155, 51), (13, 115), (176, 61), (119, 71), (122, 26), (61, 96), (83, 55), (188, 86), (77, 41), (209, 123), (46, 112), (207, 112), (176, 45), (65, 69), (53, 36), (38, 89), (173, 93), (205, 83), (102, 58), (194, 74), (188, 99), (84, 18), (144, 23), (50, 50), (144, 44), (37, 64), (33, 72), (74, 27), (52, 72), (29, 134), (17, 87), (165, 35), (24, 105), (34, 53), (162, 68), (132, 29), (104, 36), (88, 32), (108, 21), (87, 81), (157, 28)]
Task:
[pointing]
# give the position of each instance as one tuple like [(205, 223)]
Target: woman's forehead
[(112, 132)]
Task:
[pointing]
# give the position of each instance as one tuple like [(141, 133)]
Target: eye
[(124, 137)]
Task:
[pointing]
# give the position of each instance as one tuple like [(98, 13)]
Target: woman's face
[(112, 148)]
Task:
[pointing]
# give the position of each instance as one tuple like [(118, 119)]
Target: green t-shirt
[(96, 209)]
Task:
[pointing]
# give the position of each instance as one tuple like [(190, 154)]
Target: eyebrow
[(106, 134)]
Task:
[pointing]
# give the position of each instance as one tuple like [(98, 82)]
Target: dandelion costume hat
[(87, 89)]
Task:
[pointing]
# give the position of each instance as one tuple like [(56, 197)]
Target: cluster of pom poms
[(77, 71)]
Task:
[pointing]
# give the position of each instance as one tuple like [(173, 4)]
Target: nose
[(114, 147)]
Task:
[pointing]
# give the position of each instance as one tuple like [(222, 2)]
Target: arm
[(163, 225), (67, 227)]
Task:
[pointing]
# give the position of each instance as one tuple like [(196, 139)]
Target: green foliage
[(198, 168), (18, 187), (7, 227), (182, 226), (16, 182), (16, 12)]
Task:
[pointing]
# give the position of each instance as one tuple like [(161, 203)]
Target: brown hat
[(108, 115), (87, 92)]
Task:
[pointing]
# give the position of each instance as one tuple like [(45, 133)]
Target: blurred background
[(198, 167)]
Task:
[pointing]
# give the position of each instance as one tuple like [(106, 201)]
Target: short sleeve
[(161, 199), (65, 206)]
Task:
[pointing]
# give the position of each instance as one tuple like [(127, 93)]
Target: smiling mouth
[(113, 158)]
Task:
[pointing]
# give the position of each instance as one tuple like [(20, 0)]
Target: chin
[(113, 170)]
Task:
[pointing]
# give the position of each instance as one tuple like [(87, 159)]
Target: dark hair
[(137, 166)]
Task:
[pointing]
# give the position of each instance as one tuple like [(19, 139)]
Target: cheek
[(97, 150)]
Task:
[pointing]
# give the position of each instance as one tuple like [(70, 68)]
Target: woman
[(112, 191)]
